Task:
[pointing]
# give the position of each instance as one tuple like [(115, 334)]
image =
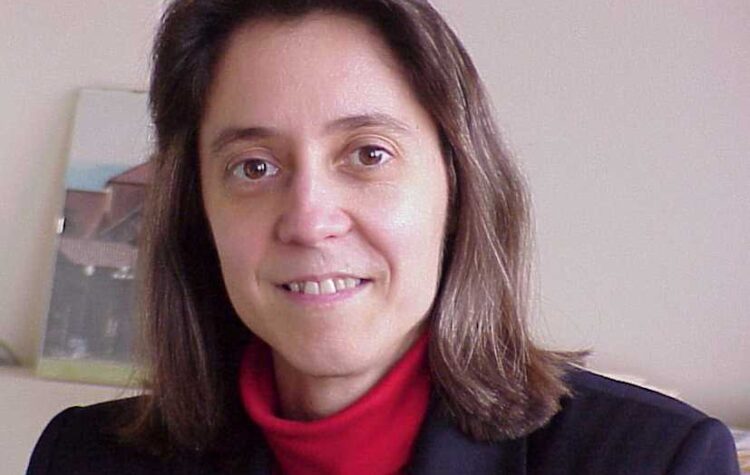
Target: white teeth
[(312, 288), (326, 286)]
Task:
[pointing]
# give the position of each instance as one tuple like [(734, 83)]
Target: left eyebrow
[(375, 120)]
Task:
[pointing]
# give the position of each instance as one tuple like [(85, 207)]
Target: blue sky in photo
[(91, 178)]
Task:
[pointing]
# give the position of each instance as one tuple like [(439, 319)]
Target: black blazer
[(607, 427)]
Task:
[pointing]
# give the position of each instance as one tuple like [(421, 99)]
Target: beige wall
[(631, 119), (48, 50)]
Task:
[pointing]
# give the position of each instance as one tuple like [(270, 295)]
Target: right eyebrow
[(232, 134)]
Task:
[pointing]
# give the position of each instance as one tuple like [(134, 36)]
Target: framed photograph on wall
[(91, 320)]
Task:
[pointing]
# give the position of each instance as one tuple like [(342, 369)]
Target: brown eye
[(372, 156), (254, 169)]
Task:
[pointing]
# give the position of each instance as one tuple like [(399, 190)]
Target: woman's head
[(272, 119), (318, 164)]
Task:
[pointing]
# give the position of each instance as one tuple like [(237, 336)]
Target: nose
[(313, 211)]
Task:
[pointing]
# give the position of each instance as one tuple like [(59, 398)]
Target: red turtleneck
[(372, 436)]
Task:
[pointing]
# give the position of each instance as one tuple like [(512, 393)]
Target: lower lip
[(323, 299)]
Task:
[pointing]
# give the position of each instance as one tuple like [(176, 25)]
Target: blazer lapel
[(441, 448)]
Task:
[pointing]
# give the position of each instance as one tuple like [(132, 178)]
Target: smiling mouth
[(325, 286)]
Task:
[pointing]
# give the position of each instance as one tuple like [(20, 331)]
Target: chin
[(331, 360)]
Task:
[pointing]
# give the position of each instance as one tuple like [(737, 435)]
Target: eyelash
[(238, 169)]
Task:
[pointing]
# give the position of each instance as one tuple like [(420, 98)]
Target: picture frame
[(90, 326)]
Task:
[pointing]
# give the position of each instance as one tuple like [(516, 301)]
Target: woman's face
[(325, 191)]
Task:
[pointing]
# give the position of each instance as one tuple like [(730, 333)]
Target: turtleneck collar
[(374, 435)]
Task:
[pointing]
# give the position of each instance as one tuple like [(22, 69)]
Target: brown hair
[(491, 379)]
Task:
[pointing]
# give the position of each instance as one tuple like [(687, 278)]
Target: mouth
[(327, 286)]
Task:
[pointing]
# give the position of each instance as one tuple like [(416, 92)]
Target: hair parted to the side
[(492, 380)]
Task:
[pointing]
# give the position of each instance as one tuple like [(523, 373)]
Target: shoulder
[(83, 440), (622, 428)]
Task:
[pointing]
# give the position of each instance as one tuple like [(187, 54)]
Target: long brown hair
[(489, 376)]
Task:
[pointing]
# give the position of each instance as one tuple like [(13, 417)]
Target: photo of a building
[(93, 298)]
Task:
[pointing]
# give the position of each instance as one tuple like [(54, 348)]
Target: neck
[(354, 430), (305, 398)]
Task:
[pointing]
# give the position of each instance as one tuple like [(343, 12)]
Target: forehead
[(320, 66)]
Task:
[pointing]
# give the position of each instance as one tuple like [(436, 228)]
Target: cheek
[(240, 244), (409, 232)]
